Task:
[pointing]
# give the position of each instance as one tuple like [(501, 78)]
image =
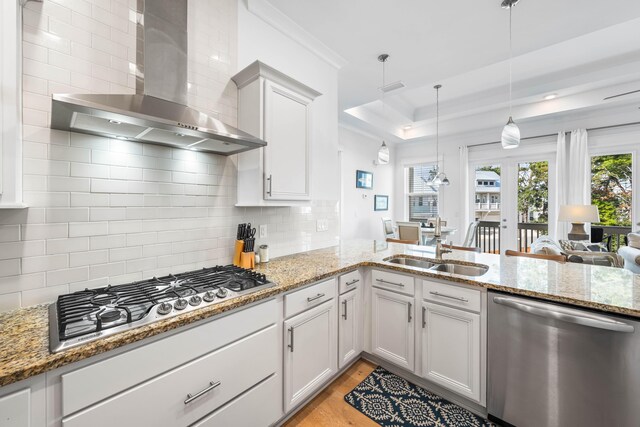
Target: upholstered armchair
[(631, 258)]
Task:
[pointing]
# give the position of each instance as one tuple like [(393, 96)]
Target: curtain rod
[(554, 134)]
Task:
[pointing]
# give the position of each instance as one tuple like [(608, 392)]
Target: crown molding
[(281, 22)]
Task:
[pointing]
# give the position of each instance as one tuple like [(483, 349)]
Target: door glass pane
[(611, 191), (487, 207), (533, 202)]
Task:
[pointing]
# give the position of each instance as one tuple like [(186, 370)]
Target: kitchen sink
[(445, 267), (412, 262), (463, 270)]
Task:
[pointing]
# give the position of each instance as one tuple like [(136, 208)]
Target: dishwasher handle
[(566, 315)]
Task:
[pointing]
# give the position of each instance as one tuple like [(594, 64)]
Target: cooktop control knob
[(195, 300), (180, 304), (222, 292), (164, 308), (209, 296)]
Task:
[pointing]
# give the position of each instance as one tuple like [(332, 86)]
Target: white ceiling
[(581, 50)]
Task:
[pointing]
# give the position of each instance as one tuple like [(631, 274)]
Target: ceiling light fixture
[(510, 132), (437, 178), (551, 96), (114, 122), (383, 151), (407, 127)]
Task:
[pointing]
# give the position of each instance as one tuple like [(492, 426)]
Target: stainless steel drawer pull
[(566, 315), (190, 398), (424, 317), (345, 309), (353, 282), (438, 294), (315, 298), (390, 283), (409, 312), (290, 345)]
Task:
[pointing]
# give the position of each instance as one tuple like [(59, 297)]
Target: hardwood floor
[(329, 408)]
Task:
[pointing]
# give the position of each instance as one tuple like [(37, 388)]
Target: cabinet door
[(348, 327), (451, 349), (286, 156), (392, 338), (15, 409), (310, 354)]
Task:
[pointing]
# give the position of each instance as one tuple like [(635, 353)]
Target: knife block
[(248, 260), (238, 252)]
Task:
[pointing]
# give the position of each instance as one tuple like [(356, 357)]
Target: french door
[(511, 197)]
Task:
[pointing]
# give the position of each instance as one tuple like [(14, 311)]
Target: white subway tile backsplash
[(108, 211), (67, 275), (45, 263), (80, 229), (68, 245)]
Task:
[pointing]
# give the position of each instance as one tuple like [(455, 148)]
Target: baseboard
[(427, 385)]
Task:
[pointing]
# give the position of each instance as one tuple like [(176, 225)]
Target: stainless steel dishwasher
[(552, 365)]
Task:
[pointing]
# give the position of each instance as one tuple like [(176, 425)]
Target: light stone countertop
[(24, 333)]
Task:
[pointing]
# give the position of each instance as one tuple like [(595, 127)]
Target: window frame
[(408, 194)]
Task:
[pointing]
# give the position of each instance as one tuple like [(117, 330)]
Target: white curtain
[(464, 185), (562, 175), (573, 175)]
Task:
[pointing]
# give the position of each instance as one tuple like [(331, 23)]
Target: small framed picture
[(380, 203), (364, 180)]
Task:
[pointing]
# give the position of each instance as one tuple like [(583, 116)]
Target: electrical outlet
[(322, 225), (263, 231)]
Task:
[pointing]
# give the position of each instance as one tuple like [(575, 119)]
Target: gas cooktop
[(88, 315)]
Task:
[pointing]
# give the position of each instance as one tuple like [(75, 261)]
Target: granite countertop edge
[(31, 323)]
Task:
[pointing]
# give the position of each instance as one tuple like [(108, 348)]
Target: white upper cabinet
[(276, 108), (10, 105)]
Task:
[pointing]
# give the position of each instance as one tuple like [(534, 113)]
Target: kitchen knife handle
[(270, 184), (290, 345)]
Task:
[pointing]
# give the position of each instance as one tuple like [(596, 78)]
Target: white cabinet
[(15, 409), (451, 349), (276, 108), (392, 317), (349, 339), (310, 354)]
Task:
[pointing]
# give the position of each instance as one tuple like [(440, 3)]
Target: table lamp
[(577, 215)]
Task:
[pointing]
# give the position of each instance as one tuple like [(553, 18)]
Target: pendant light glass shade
[(437, 178), (510, 135), (383, 154)]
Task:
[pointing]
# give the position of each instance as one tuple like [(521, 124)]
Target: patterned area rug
[(392, 401)]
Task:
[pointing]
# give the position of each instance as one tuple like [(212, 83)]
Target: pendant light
[(436, 177), (383, 151), (510, 132)]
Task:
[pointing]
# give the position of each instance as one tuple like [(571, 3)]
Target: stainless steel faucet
[(437, 233)]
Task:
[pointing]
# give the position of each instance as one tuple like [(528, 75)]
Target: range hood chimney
[(158, 115)]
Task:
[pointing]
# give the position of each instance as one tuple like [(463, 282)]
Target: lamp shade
[(579, 213)]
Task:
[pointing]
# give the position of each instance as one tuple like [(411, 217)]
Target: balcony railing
[(488, 235), (487, 206)]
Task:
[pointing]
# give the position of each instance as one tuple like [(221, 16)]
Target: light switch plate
[(263, 231), (322, 225)]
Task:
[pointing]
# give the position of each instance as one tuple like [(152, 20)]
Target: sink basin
[(412, 262), (463, 270), (445, 267)]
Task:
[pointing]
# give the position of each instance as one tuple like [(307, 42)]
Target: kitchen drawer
[(392, 281), (161, 401), (349, 281), (258, 406), (307, 298), (452, 295), (126, 370)]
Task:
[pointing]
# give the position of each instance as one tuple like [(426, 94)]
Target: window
[(611, 191), (422, 198)]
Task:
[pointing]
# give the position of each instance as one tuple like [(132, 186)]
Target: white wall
[(104, 211), (358, 219)]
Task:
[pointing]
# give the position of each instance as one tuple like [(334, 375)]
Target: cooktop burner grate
[(92, 311)]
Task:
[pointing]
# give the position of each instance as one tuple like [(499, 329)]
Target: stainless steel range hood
[(158, 114)]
